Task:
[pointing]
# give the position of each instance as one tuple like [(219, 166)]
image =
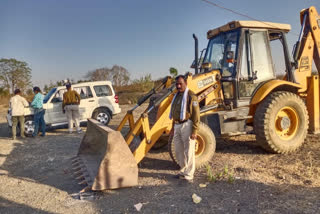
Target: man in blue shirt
[(37, 104)]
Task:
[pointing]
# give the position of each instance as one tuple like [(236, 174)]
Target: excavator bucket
[(104, 160)]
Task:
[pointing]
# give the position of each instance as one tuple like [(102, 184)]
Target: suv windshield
[(217, 50), (49, 94)]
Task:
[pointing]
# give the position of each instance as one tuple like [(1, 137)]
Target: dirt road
[(36, 177)]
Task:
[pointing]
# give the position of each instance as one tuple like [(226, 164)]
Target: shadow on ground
[(7, 206)]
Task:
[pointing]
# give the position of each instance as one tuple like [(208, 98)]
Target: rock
[(196, 199), (138, 206), (202, 185)]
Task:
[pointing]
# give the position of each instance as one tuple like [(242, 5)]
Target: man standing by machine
[(17, 105), (185, 113), (70, 106)]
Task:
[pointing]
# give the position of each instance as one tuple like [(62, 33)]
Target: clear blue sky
[(66, 38)]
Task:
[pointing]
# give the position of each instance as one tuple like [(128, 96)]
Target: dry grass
[(130, 94), (4, 101)]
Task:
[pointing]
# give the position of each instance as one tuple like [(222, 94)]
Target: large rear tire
[(161, 142), (205, 146), (281, 122)]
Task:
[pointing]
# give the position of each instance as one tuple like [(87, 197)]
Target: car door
[(54, 110), (87, 103)]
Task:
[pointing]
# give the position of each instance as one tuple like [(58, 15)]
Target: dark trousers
[(38, 119)]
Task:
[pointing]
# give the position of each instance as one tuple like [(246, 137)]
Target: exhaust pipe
[(195, 53)]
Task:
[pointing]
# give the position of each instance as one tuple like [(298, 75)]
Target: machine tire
[(161, 142), (281, 122), (204, 150), (102, 115)]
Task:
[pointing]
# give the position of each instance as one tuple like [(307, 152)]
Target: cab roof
[(248, 24)]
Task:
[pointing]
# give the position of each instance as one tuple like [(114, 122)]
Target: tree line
[(14, 74), (17, 74)]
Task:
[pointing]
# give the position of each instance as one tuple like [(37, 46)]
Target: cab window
[(222, 53), (102, 90), (58, 97), (84, 92)]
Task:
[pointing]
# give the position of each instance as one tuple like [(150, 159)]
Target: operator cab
[(241, 51)]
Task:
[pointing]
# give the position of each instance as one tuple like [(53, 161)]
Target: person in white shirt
[(17, 105)]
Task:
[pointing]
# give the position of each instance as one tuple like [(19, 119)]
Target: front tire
[(28, 126), (281, 122), (102, 115), (205, 146)]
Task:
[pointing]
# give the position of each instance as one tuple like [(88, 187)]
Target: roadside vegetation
[(17, 74)]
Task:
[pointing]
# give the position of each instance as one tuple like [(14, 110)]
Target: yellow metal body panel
[(313, 104), (264, 91), (305, 62), (310, 47), (268, 87)]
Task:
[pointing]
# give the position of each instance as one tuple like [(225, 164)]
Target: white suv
[(98, 101)]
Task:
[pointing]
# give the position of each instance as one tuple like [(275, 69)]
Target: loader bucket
[(104, 160)]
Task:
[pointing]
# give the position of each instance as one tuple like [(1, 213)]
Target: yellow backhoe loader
[(238, 93)]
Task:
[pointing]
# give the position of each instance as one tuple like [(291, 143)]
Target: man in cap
[(17, 104), (70, 106)]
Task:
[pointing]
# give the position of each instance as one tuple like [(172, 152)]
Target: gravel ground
[(36, 177)]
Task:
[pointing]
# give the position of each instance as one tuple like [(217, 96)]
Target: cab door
[(54, 109), (256, 64)]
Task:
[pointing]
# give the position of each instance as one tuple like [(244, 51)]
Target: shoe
[(179, 176), (188, 179), (79, 131), (14, 138), (42, 135), (70, 132)]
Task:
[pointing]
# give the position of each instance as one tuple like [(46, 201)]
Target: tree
[(14, 74), (46, 88), (173, 72), (118, 75)]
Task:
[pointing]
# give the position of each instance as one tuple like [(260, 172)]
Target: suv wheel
[(28, 126), (102, 115)]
